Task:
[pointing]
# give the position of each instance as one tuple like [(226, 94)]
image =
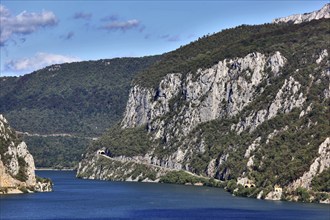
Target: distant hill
[(79, 99)]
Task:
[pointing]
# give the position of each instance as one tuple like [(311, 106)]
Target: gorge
[(246, 109)]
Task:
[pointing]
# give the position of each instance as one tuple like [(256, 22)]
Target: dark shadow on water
[(218, 213)]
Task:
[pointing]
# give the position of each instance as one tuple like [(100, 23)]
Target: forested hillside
[(248, 106), (79, 99)]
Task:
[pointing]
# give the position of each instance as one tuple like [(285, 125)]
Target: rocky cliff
[(17, 170), (262, 117), (299, 18)]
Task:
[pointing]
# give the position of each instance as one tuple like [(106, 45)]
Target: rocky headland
[(17, 169)]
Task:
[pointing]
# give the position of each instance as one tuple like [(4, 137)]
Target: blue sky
[(35, 34)]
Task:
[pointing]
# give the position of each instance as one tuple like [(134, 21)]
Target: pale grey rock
[(276, 62), (252, 147), (222, 159), (288, 95), (322, 55), (259, 196), (250, 162), (43, 187), (242, 180), (15, 152), (274, 196), (321, 163), (211, 168), (274, 133), (287, 98), (326, 75), (220, 91), (305, 112), (252, 121), (145, 104), (137, 108), (10, 168), (23, 152), (324, 12)]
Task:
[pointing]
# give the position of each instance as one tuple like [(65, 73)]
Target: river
[(91, 199)]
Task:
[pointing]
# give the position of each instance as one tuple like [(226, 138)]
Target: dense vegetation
[(279, 160), (82, 99), (57, 152), (322, 181), (237, 42), (129, 142)]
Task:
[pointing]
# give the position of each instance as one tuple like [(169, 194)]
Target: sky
[(35, 34)]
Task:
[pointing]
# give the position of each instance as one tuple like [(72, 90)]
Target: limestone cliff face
[(299, 18), (174, 111), (260, 116), (220, 91), (320, 164), (17, 170)]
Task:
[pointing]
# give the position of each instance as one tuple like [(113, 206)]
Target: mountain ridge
[(324, 12), (251, 113)]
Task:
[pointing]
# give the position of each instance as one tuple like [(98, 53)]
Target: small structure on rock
[(278, 189), (247, 183), (276, 194), (104, 151), (101, 152)]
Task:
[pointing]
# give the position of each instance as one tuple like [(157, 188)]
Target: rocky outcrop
[(273, 195), (146, 104), (286, 99), (322, 56), (299, 18), (181, 103), (220, 91), (252, 120), (124, 169), (17, 170), (321, 163)]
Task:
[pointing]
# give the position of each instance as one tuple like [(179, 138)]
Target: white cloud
[(4, 11), (38, 61), (121, 25), (23, 24)]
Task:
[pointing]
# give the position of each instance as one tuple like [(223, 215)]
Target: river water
[(91, 199)]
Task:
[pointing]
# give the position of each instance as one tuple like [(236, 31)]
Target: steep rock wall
[(17, 169), (324, 12)]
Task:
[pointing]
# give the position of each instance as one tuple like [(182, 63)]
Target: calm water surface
[(89, 199)]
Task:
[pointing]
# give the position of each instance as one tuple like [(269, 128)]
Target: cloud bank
[(38, 61), (23, 24)]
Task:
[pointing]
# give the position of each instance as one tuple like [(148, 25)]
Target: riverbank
[(75, 198)]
